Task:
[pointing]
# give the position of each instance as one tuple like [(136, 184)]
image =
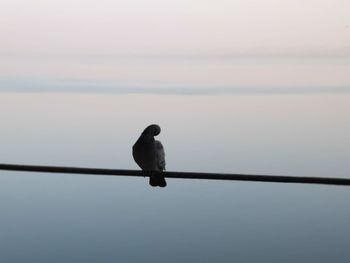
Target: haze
[(182, 27)]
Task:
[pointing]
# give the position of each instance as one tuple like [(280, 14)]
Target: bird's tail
[(157, 180)]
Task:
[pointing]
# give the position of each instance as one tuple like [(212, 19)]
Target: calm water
[(291, 130)]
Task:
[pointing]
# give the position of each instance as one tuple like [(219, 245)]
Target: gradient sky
[(204, 27), (62, 45)]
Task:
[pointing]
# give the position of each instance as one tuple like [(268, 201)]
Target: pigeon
[(149, 155)]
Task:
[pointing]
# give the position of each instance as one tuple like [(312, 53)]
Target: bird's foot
[(156, 179)]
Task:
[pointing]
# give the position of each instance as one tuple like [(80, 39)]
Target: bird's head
[(153, 130)]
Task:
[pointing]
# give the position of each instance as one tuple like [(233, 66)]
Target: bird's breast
[(145, 155)]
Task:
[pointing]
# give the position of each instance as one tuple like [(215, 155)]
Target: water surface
[(82, 218)]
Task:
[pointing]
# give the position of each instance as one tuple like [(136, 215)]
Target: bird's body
[(149, 154)]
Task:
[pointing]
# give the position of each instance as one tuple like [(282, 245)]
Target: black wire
[(181, 175)]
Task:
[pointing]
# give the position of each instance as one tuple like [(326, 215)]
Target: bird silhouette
[(149, 154)]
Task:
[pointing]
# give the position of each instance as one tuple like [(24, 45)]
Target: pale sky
[(204, 27)]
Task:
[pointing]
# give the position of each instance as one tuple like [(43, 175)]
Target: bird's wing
[(160, 156)]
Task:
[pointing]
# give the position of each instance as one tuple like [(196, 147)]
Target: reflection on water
[(77, 218)]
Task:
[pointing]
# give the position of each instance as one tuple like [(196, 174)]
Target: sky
[(281, 49), (63, 45), (182, 27)]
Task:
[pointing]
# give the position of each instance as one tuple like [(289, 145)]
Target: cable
[(180, 175)]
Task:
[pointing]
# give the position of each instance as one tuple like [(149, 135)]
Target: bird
[(149, 154)]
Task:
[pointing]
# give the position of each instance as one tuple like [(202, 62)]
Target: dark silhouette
[(149, 155), (179, 175)]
